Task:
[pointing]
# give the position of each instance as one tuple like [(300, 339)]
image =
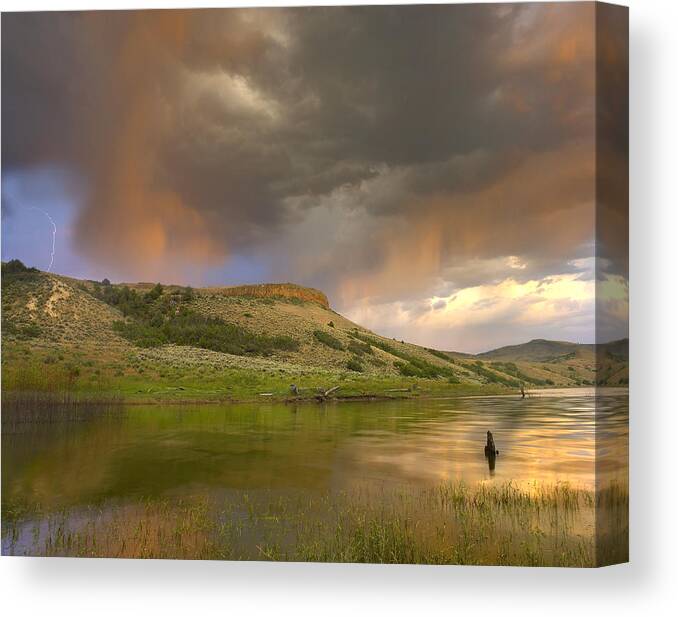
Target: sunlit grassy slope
[(59, 336)]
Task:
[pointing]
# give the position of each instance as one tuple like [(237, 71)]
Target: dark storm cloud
[(412, 84), (612, 139), (359, 134)]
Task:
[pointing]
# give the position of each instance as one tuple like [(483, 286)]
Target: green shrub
[(30, 330), (155, 293), (406, 369), (411, 366), (440, 354), (420, 368), (327, 339), (511, 369), (354, 364), (490, 376), (190, 328), (142, 335), (8, 326), (154, 319), (16, 266), (14, 270), (359, 348)]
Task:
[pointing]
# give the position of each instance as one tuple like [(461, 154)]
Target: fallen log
[(324, 394)]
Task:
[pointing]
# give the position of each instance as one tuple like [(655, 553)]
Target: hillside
[(144, 340), (536, 350), (605, 364), (540, 350)]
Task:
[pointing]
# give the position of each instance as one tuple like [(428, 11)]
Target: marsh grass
[(612, 525), (50, 385), (449, 524)]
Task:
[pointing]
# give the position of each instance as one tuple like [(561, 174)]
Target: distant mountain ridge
[(543, 350)]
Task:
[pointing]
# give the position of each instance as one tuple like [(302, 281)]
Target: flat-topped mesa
[(273, 290)]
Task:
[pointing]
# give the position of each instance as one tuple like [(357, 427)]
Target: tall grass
[(448, 524), (37, 385)]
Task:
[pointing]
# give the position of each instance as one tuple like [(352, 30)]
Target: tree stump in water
[(490, 449)]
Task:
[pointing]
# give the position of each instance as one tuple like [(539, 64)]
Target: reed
[(452, 523), (36, 386)]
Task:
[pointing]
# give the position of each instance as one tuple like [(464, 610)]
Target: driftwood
[(324, 394), (490, 449)]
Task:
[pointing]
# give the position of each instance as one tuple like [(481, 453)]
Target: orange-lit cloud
[(384, 154)]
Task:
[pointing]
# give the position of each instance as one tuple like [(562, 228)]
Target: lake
[(105, 467)]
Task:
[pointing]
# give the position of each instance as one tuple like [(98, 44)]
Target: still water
[(169, 451)]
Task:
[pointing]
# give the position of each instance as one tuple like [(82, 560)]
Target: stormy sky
[(431, 168)]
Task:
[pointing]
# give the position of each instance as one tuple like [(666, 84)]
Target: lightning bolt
[(54, 231)]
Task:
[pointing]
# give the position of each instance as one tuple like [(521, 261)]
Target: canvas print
[(335, 284)]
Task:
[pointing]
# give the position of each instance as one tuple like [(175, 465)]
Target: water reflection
[(168, 451), (491, 459)]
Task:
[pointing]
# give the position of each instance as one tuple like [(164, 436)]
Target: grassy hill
[(541, 350), (147, 342), (604, 364), (537, 350)]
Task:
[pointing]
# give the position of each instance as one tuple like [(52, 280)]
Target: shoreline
[(18, 400), (23, 400)]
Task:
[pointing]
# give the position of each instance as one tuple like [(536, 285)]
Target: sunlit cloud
[(447, 196), (525, 307)]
